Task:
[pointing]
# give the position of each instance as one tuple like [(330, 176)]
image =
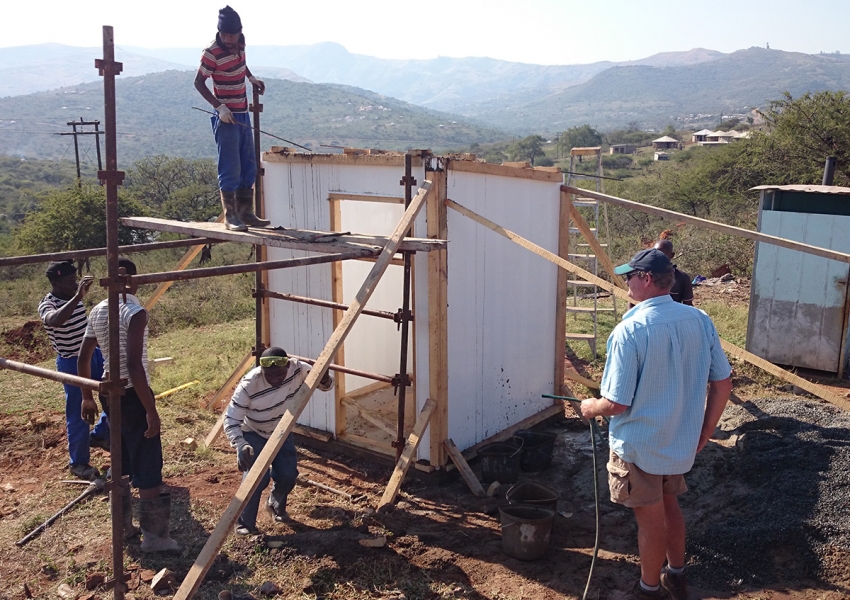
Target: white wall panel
[(501, 304)]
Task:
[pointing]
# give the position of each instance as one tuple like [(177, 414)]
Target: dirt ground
[(768, 513)]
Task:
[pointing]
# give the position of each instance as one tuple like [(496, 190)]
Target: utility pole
[(81, 123)]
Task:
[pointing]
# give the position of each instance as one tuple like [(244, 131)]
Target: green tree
[(176, 188), (669, 130), (74, 219), (581, 136), (527, 148)]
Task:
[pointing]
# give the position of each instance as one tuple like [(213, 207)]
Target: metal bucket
[(525, 530), (500, 461), (531, 492), (537, 449)]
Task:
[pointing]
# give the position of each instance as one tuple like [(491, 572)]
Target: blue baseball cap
[(650, 260)]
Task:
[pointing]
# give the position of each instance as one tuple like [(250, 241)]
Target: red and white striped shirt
[(228, 74)]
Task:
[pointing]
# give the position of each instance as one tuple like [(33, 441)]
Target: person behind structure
[(661, 359), (224, 62), (682, 290), (257, 405), (141, 445), (64, 317)]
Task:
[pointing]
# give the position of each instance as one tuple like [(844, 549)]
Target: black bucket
[(530, 492), (526, 530), (537, 449), (500, 461)]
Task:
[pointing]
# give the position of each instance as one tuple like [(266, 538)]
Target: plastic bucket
[(500, 461), (530, 492), (537, 449), (525, 530)]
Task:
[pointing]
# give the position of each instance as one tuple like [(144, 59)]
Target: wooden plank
[(215, 431), (588, 383), (340, 416), (361, 441), (468, 166), (560, 328), (813, 388), (438, 319), (586, 151), (234, 378), (730, 229), (374, 418), (597, 248), (505, 434), (465, 472), (313, 433), (365, 198), (294, 239), (252, 480), (406, 458), (367, 389), (181, 265), (375, 160)]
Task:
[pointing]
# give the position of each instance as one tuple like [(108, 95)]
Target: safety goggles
[(274, 361)]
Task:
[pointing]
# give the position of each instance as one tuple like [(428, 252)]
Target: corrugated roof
[(819, 189), (666, 138)]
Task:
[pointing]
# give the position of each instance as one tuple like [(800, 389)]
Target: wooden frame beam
[(374, 418), (406, 458), (365, 197), (299, 402), (294, 239), (713, 225), (592, 240), (465, 472), (468, 166)]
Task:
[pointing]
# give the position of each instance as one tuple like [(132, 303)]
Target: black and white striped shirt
[(257, 406), (67, 338)]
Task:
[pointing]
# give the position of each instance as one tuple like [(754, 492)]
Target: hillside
[(654, 96), (155, 116)]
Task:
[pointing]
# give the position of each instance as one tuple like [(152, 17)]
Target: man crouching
[(254, 411)]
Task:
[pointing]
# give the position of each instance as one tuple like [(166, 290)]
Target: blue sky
[(531, 31)]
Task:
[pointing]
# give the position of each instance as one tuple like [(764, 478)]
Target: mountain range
[(321, 94)]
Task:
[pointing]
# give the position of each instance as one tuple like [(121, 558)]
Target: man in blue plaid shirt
[(660, 359)]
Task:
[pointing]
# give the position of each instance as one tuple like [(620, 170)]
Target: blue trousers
[(76, 428), (283, 472), (237, 167)]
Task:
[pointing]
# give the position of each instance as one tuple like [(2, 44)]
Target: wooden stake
[(407, 454), (465, 472), (252, 481)]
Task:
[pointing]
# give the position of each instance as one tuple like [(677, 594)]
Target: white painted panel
[(502, 304)]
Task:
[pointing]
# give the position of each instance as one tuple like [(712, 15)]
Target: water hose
[(594, 432)]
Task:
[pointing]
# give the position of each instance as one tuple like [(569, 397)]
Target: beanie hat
[(55, 270), (229, 21)]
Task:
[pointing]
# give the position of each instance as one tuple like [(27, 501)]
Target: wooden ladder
[(580, 250)]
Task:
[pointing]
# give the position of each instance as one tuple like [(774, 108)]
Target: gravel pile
[(777, 505)]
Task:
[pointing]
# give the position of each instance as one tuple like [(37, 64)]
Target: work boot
[(245, 208), (638, 593), (130, 530), (87, 472), (676, 584), (230, 205), (96, 441), (276, 506), (154, 517)]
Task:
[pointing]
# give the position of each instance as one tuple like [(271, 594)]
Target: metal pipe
[(261, 131), (94, 487), (327, 304), (402, 379), (350, 371), (112, 177), (73, 254), (244, 268), (259, 251), (829, 170), (80, 382)]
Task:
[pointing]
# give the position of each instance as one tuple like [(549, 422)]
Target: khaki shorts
[(631, 486)]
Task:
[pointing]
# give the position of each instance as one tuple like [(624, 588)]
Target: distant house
[(622, 149), (715, 138), (661, 156), (702, 136), (665, 142)]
